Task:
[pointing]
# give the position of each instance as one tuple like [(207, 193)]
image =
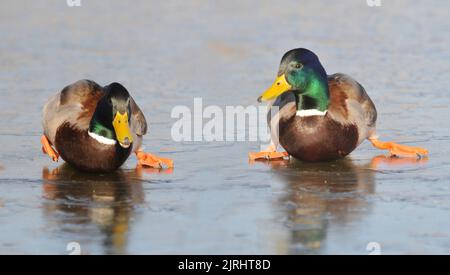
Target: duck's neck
[(315, 96), (100, 129)]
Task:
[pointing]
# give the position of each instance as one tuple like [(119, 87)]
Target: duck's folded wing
[(75, 104), (350, 103), (355, 98), (138, 121)]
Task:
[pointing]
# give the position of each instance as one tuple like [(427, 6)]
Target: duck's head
[(300, 72), (111, 119)]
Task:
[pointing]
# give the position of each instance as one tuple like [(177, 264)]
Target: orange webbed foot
[(269, 154), (399, 150), (266, 155), (48, 149), (150, 160)]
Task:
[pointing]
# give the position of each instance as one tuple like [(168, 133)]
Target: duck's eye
[(298, 65)]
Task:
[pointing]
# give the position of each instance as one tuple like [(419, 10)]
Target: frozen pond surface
[(214, 201)]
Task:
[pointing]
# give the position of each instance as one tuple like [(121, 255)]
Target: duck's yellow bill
[(123, 133), (278, 87)]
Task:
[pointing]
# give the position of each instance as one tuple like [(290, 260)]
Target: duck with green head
[(95, 128), (320, 117)]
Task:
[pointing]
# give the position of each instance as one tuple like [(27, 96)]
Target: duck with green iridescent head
[(320, 117), (95, 128)]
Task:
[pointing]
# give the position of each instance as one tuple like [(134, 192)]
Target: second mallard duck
[(320, 117), (95, 128)]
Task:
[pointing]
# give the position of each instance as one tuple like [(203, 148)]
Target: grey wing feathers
[(138, 121), (51, 119), (79, 91), (66, 106)]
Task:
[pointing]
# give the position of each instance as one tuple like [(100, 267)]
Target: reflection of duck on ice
[(321, 194), (107, 201)]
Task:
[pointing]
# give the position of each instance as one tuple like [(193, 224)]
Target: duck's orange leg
[(146, 159), (399, 150), (268, 154), (48, 149)]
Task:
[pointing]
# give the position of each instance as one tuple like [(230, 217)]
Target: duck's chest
[(317, 138), (84, 152)]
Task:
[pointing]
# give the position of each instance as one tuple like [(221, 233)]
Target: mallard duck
[(320, 117), (95, 128)]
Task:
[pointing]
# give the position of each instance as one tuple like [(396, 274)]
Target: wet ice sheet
[(214, 201)]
